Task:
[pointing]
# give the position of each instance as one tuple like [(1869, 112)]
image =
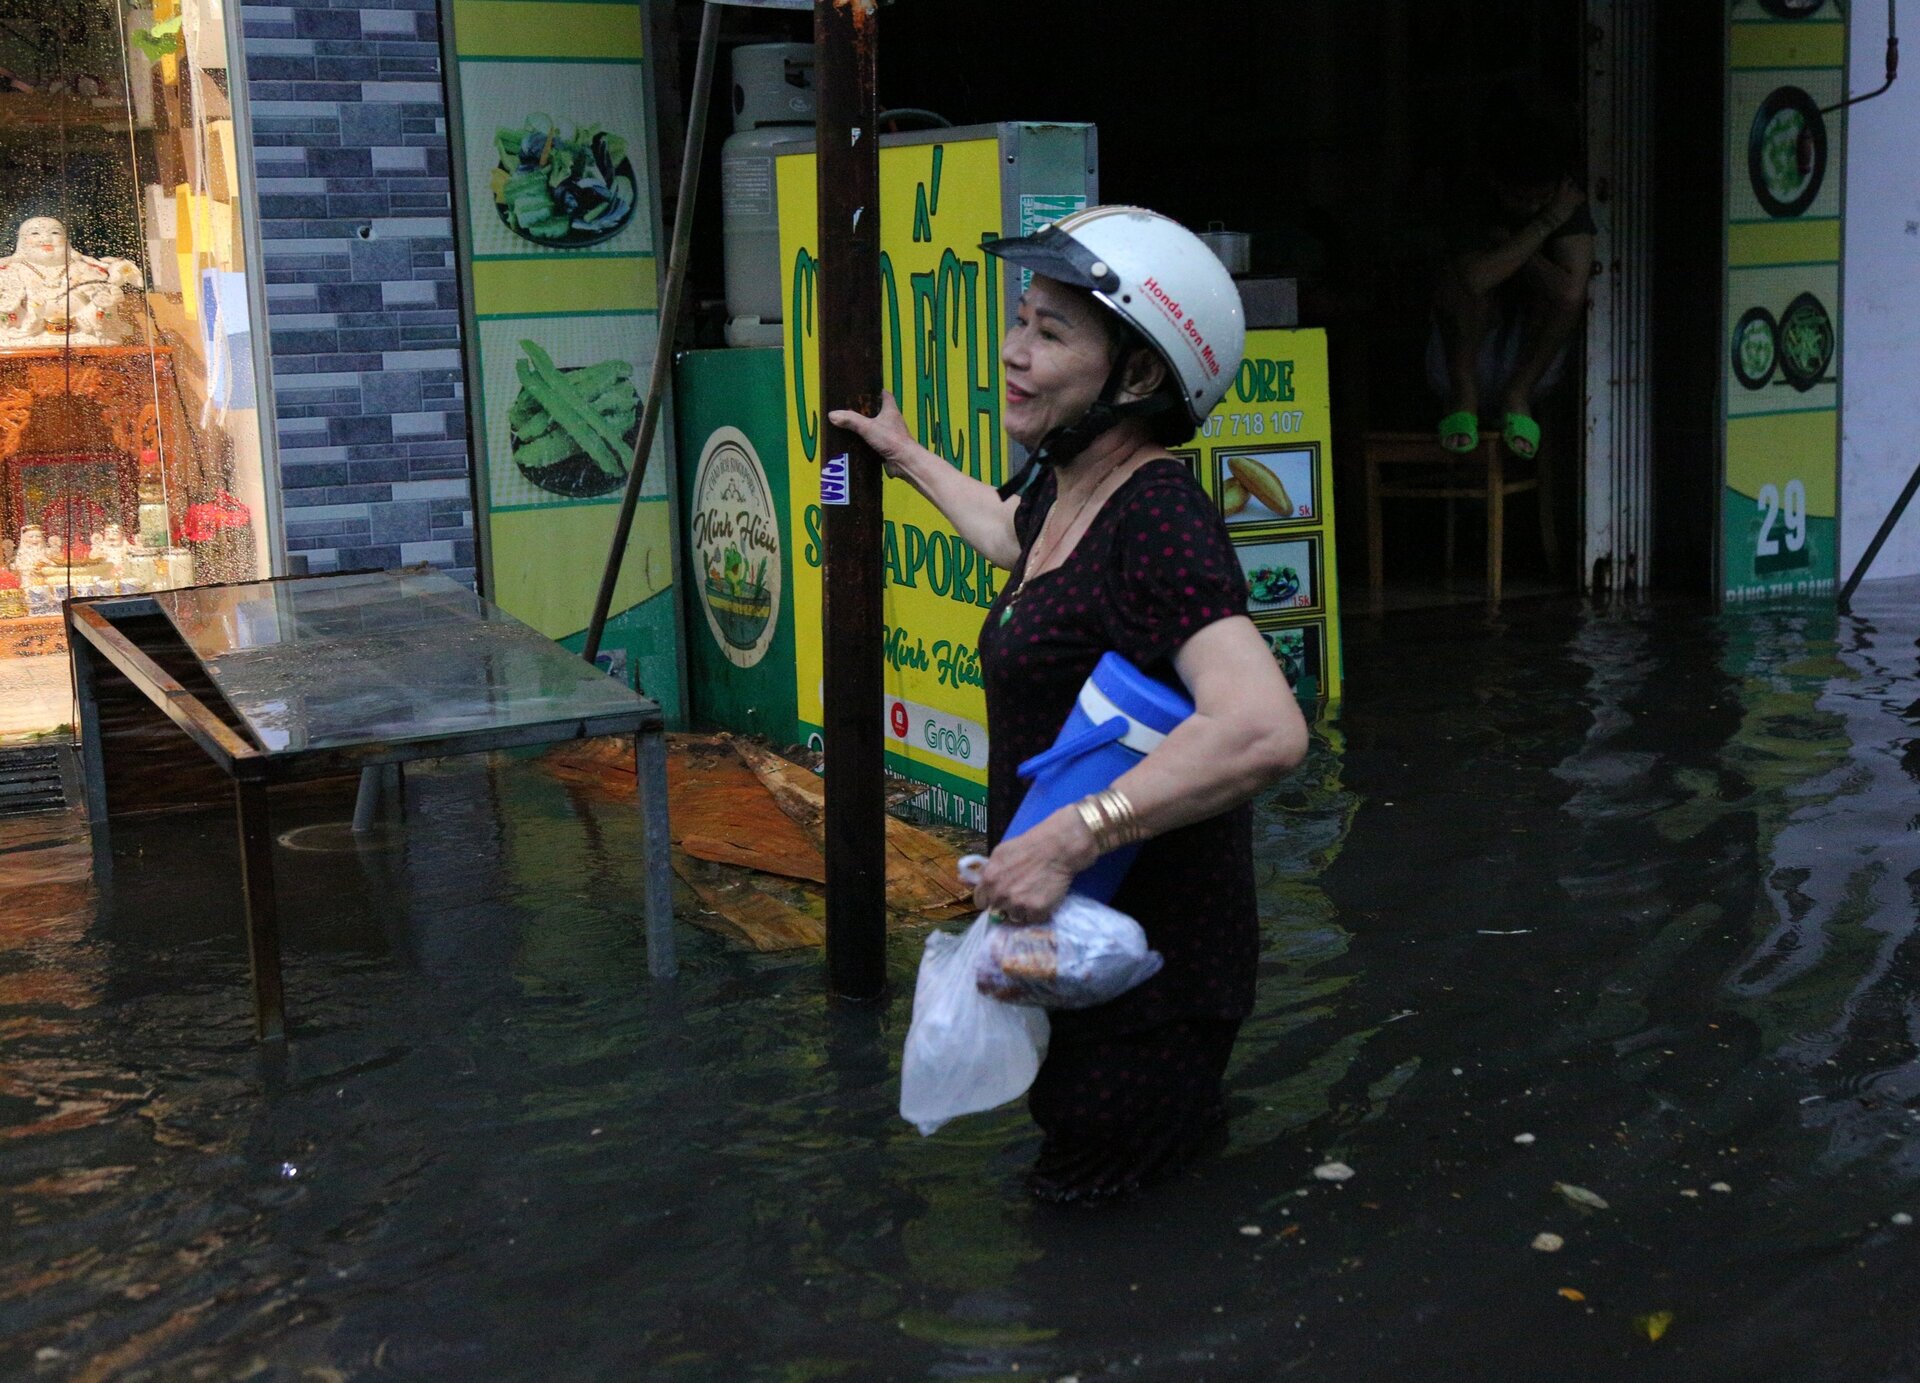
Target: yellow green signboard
[(1787, 69), (557, 227), (1265, 455), (942, 303)]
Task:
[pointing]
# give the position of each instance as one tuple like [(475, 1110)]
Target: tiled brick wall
[(350, 136)]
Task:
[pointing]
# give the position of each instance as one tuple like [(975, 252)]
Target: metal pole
[(669, 321), (845, 45), (1879, 540)]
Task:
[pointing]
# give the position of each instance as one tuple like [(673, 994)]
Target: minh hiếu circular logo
[(736, 547)]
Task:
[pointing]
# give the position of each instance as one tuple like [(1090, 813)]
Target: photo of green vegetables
[(1806, 342), (573, 428), (1273, 585), (566, 191), (1787, 152), (1289, 649), (1799, 344), (1755, 353)]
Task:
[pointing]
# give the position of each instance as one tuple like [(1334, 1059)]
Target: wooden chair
[(1413, 465)]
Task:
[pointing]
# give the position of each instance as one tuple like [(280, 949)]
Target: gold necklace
[(1033, 553)]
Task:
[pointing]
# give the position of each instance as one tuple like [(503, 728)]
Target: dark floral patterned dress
[(1130, 1090)]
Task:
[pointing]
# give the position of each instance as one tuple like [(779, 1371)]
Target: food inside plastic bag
[(965, 1052), (1086, 954)]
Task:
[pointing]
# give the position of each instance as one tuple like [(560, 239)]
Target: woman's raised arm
[(973, 507)]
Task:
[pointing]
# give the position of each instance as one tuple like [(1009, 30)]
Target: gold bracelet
[(1109, 816), (1094, 814), (1118, 809), (1095, 823)]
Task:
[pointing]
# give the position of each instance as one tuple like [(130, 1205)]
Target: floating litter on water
[(1523, 1138), (1580, 1195), (1549, 1243), (288, 1171), (1721, 1187), (1333, 1171), (1251, 1231), (1902, 1218)]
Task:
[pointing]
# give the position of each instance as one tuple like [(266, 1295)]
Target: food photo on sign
[(567, 190), (1787, 151), (1282, 575), (1300, 650), (573, 426), (1783, 342), (1277, 486)]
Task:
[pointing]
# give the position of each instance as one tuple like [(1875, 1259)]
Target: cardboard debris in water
[(747, 830), (748, 907), (921, 873)]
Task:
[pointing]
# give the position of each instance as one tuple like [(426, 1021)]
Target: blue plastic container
[(1120, 716)]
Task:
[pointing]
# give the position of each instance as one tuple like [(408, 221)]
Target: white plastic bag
[(965, 1052), (1085, 954)]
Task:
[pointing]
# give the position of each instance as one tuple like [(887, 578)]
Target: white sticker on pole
[(833, 479)]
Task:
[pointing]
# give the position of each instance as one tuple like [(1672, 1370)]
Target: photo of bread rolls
[(1233, 499), (1261, 484)]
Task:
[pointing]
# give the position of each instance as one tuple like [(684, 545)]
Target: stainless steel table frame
[(328, 676)]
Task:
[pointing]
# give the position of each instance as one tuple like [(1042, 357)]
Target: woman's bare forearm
[(1245, 733), (973, 507)]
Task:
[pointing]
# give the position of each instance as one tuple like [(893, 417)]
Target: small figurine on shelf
[(50, 295), (28, 557), (110, 546)]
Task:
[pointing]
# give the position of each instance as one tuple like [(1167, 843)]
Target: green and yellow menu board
[(1787, 66), (558, 225), (1265, 455)]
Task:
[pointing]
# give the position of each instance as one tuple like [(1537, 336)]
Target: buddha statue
[(50, 295), (110, 546), (30, 554)]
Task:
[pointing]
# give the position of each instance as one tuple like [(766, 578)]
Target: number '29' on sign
[(1781, 542)]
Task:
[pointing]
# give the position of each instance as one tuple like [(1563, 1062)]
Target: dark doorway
[(1688, 351)]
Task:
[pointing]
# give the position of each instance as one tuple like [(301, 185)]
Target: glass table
[(320, 676)]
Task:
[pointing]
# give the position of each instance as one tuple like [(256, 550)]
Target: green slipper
[(1465, 423), (1521, 434)]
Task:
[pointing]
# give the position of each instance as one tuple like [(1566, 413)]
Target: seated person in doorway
[(1513, 292)]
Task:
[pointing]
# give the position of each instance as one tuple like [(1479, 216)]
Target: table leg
[(650, 764), (263, 918), (366, 805), (93, 764)]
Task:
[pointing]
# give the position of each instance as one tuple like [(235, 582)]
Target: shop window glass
[(131, 454)]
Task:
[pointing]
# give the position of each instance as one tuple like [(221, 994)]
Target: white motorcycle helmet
[(1159, 278)]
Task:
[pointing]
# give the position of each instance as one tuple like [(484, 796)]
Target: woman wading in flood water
[(1128, 336)]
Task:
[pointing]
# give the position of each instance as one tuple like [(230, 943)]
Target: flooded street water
[(1623, 901)]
